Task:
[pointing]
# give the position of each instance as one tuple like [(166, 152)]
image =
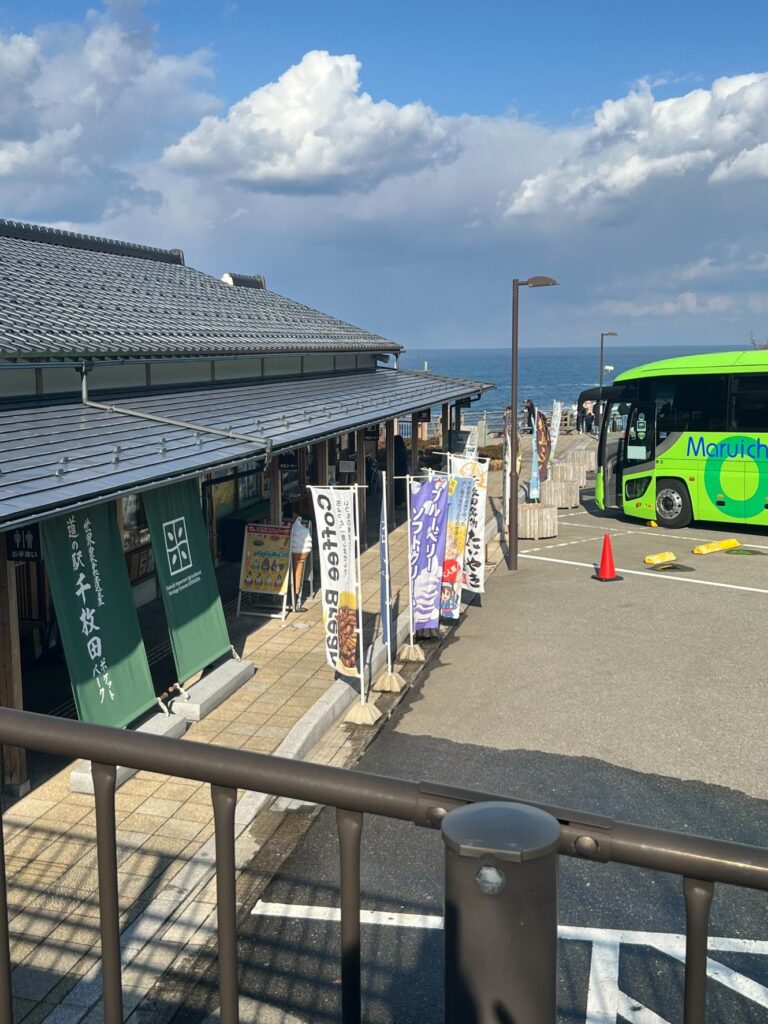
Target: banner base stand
[(389, 682), (411, 652), (263, 608), (362, 714)]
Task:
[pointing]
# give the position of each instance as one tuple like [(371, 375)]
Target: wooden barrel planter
[(534, 522), (568, 471), (586, 457), (560, 493)]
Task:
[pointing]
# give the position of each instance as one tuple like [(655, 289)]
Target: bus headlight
[(636, 488)]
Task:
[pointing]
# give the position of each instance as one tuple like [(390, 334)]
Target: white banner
[(337, 546), (473, 574), (554, 430)]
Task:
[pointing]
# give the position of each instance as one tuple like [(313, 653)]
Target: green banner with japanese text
[(97, 618), (185, 573)]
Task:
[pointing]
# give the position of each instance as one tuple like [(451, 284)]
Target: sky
[(398, 164)]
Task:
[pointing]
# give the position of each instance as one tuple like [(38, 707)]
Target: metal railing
[(500, 868)]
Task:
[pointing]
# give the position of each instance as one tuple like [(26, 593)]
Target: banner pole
[(364, 713), (387, 595), (411, 651), (359, 595)]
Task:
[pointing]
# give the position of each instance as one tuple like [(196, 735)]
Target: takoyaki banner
[(335, 521), (186, 577)]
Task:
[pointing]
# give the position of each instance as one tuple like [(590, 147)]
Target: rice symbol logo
[(177, 545)]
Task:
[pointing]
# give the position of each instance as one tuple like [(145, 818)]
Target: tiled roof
[(55, 456), (70, 296)]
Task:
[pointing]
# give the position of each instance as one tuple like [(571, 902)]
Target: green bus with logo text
[(688, 438)]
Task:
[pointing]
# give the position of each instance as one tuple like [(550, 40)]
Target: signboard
[(288, 460), (460, 491), (185, 574), (346, 466), (264, 568), (426, 548), (335, 522), (23, 544), (97, 619), (424, 416), (473, 575)]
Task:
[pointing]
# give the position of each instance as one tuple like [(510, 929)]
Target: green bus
[(688, 438)]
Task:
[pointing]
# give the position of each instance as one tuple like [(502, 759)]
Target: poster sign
[(97, 619), (460, 491), (23, 544), (426, 547), (473, 575), (264, 568), (336, 542), (186, 577)]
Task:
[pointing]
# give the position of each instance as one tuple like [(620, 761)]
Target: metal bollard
[(500, 914)]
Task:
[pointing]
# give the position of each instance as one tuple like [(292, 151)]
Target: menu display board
[(266, 559)]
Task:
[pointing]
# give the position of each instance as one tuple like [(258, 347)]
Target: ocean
[(546, 374)]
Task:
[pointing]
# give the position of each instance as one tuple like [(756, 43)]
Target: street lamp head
[(610, 334), (539, 282)]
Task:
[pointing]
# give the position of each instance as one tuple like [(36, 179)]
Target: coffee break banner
[(335, 521), (266, 559), (473, 574), (97, 619), (186, 577), (460, 491), (426, 548)]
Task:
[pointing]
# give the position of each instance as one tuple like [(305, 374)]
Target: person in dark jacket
[(530, 414)]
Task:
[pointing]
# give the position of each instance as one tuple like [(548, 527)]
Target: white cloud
[(638, 138), (314, 131), (683, 304), (80, 103)]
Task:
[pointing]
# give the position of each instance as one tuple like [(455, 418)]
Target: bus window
[(640, 435), (749, 398), (696, 402)]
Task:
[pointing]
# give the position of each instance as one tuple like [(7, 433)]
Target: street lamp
[(532, 282), (603, 336)]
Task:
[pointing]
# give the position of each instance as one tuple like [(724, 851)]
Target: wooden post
[(321, 463), (14, 758), (360, 476), (414, 444), (301, 466), (446, 423), (389, 441), (275, 492)]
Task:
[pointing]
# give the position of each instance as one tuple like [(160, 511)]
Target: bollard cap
[(508, 831)]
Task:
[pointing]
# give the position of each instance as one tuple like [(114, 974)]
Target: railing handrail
[(584, 835)]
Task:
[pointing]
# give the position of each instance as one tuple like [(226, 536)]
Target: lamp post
[(532, 282), (603, 336)]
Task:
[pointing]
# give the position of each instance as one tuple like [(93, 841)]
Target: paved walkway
[(165, 826)]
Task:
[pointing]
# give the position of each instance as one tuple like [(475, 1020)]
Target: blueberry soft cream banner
[(97, 619), (428, 510), (335, 521), (186, 576)]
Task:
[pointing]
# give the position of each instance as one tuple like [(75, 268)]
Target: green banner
[(187, 580), (97, 619)]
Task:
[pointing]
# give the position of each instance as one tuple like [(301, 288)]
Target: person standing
[(530, 415)]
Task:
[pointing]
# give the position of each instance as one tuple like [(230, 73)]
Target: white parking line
[(649, 574), (605, 1000), (668, 535)]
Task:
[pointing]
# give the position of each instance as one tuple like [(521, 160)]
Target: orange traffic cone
[(607, 571)]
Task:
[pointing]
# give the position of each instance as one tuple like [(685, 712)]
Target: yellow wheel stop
[(660, 557), (716, 545)]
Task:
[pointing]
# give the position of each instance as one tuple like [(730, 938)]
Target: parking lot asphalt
[(664, 671)]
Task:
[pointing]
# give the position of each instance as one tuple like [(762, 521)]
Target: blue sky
[(397, 164)]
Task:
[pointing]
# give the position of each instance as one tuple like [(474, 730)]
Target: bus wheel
[(673, 504)]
